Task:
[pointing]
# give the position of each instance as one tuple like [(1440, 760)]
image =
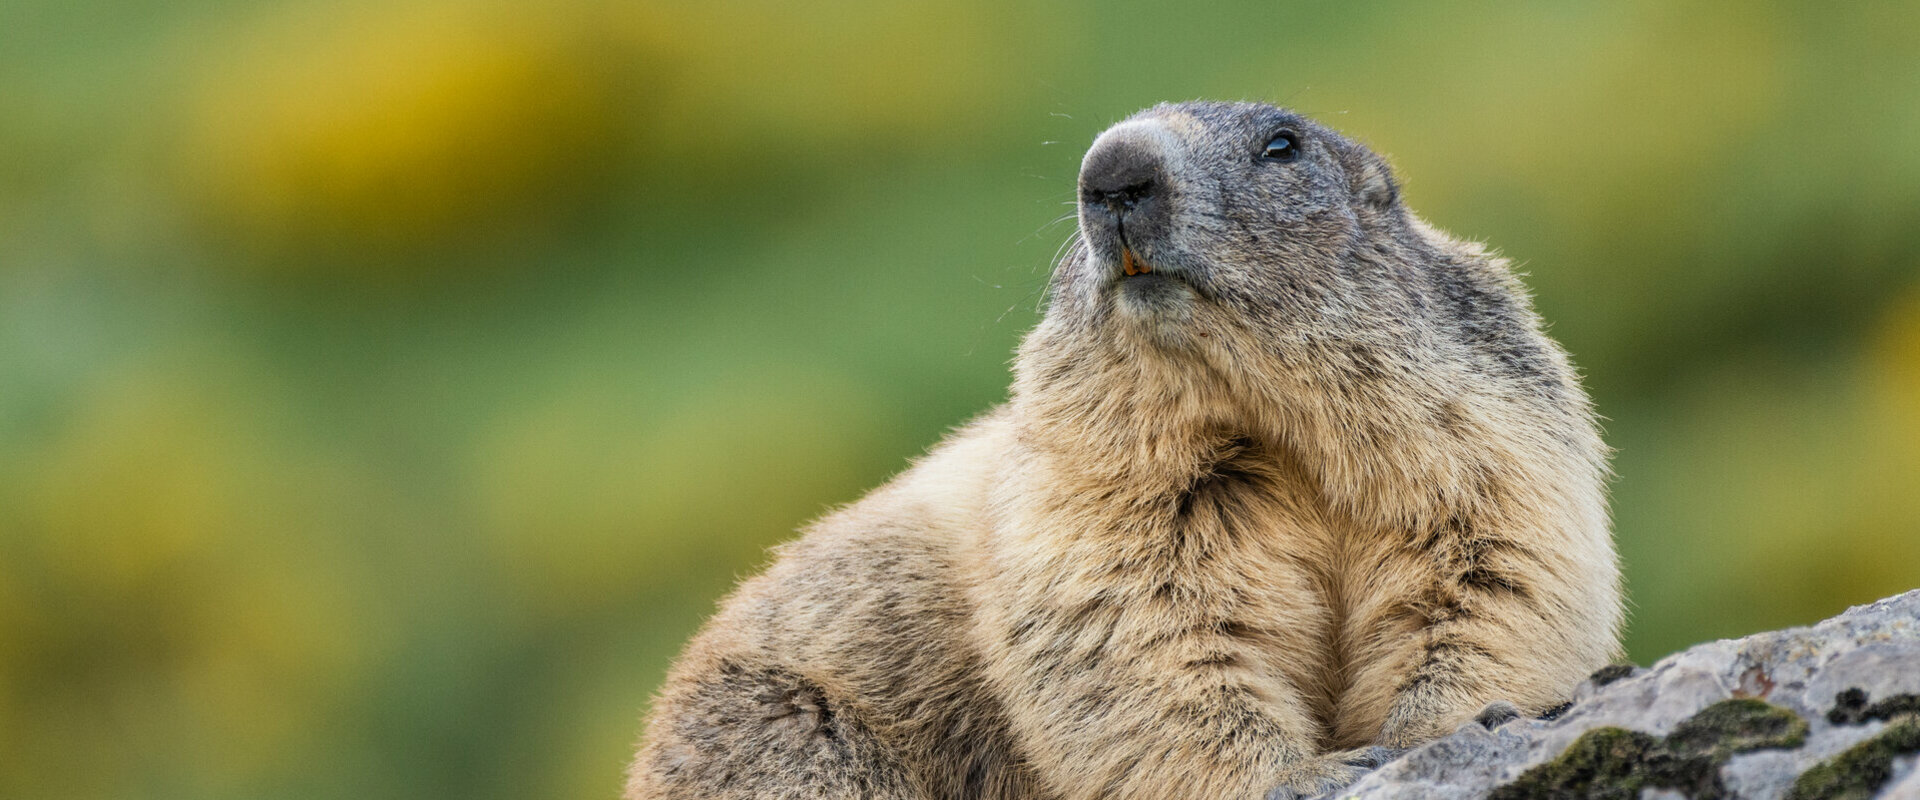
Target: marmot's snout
[(1124, 196)]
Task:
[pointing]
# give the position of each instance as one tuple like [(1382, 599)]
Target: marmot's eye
[(1284, 147)]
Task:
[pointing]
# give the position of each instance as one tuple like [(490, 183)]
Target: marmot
[(1288, 480)]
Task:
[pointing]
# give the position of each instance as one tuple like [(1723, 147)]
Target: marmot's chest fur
[(1289, 481)]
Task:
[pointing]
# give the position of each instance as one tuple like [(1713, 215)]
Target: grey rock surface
[(1873, 648)]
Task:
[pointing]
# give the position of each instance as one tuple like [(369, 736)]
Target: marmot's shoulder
[(849, 565)]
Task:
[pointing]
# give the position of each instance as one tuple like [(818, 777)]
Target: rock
[(1831, 710)]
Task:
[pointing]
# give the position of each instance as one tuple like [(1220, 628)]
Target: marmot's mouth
[(1132, 264)]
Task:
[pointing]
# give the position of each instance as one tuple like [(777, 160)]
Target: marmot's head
[(1191, 205), (1244, 246)]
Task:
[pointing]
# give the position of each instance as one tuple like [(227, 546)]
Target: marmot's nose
[(1120, 175)]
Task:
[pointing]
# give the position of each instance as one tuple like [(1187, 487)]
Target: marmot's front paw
[(1326, 773)]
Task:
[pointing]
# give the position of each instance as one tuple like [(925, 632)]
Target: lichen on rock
[(1851, 707), (1861, 770), (1864, 768), (1613, 762), (1773, 713)]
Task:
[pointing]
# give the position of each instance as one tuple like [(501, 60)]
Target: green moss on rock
[(1736, 726), (1618, 763), (1862, 769), (1604, 763)]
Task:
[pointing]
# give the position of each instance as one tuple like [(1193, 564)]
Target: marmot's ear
[(1373, 181)]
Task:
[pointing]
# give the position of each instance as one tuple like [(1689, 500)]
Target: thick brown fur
[(1316, 483)]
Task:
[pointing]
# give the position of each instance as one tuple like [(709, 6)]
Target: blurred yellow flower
[(396, 125), (185, 604), (1895, 379), (399, 126)]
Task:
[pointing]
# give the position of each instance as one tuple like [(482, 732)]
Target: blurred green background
[(388, 389)]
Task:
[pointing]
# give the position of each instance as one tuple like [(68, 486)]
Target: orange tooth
[(1131, 265)]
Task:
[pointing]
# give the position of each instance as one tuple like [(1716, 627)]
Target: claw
[(1375, 757), (1496, 714), (1332, 771), (1290, 793)]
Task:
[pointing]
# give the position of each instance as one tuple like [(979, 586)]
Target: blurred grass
[(387, 390)]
